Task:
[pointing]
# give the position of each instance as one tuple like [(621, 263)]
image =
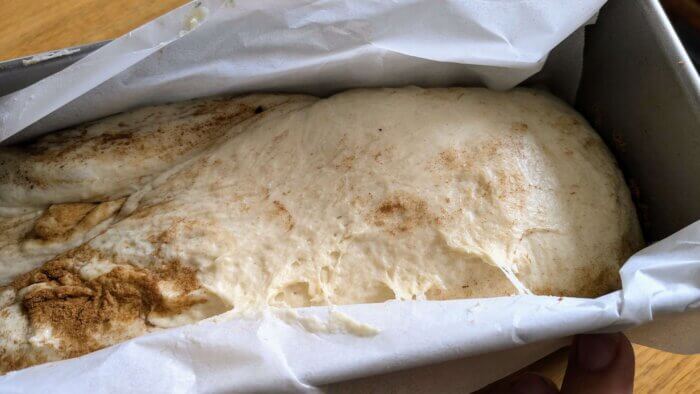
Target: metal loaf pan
[(639, 90)]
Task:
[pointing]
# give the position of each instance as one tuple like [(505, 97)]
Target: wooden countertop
[(31, 27)]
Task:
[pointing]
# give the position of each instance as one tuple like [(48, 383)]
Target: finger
[(527, 383), (600, 364)]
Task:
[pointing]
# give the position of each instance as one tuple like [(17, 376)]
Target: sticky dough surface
[(366, 196)]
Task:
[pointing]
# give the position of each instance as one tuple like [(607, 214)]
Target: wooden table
[(30, 27)]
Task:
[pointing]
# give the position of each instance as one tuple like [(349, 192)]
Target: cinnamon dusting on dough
[(61, 221), (282, 211), (86, 315), (401, 212), (60, 218)]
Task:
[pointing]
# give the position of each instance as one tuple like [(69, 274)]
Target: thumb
[(600, 364)]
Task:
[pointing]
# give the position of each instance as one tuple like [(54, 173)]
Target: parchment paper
[(321, 47), (316, 47)]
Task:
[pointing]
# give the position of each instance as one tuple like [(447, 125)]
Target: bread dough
[(98, 164), (366, 196)]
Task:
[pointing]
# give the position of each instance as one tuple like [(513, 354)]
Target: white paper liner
[(305, 46)]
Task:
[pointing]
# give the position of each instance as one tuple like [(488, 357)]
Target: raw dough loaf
[(366, 196)]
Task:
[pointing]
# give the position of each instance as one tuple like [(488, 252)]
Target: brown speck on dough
[(259, 109), (282, 211), (402, 212), (346, 163), (589, 142), (448, 158), (519, 127), (280, 136)]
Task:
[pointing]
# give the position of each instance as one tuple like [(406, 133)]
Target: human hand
[(598, 364)]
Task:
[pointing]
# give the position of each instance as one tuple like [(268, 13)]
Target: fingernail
[(595, 352), (530, 383)]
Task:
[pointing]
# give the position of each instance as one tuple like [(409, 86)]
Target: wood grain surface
[(34, 26), (30, 27)]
